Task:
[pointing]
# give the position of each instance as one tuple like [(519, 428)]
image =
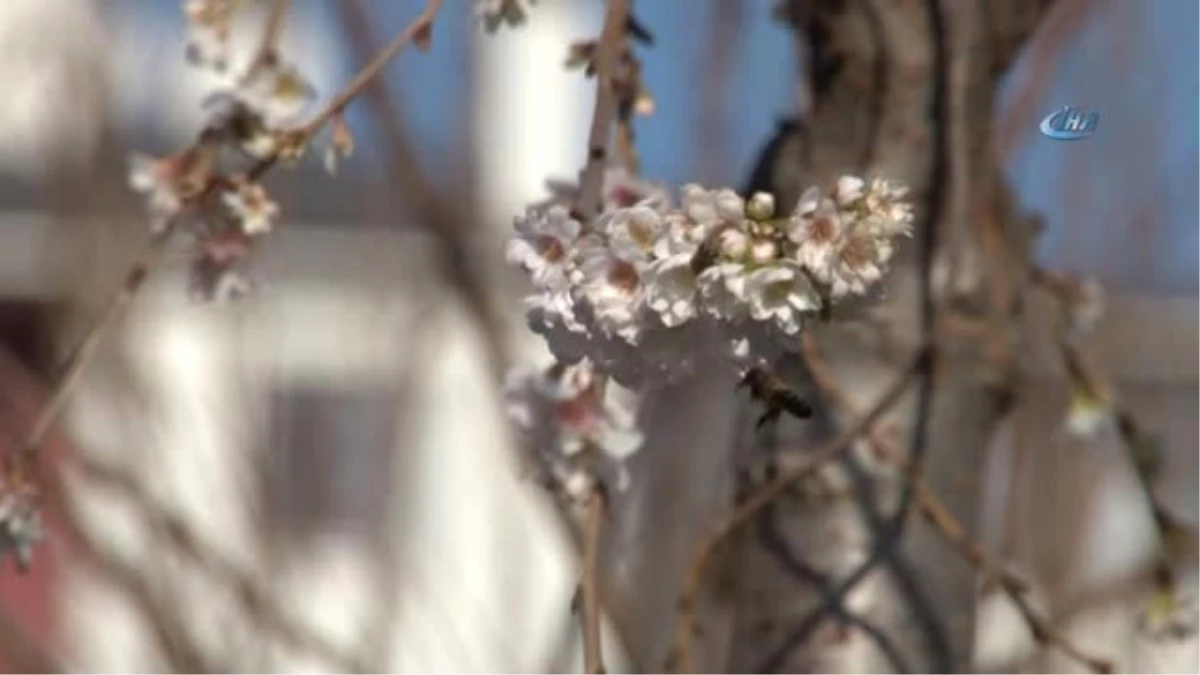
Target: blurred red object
[(28, 602)]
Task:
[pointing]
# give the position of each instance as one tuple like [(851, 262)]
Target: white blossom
[(849, 189), (158, 179), (543, 246), (671, 289), (634, 232), (781, 293), (581, 435), (711, 206), (20, 523), (846, 241), (649, 293), (612, 286), (723, 291), (680, 236), (815, 227), (252, 207), (277, 91)]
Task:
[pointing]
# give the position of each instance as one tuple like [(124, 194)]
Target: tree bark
[(873, 74)]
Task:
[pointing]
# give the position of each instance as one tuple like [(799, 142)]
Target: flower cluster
[(493, 13), (580, 435), (210, 190), (20, 522), (651, 292)]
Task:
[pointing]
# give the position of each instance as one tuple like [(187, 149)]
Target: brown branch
[(272, 32), (764, 495), (455, 233), (941, 518), (607, 60), (253, 599), (86, 349), (593, 658), (177, 646), (418, 30)]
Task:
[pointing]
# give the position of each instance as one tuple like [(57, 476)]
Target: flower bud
[(761, 206), (763, 251)]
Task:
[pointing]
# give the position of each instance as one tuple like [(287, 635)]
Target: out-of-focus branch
[(176, 645), (726, 27), (92, 338), (254, 600), (593, 658), (272, 32), (608, 54), (763, 496), (453, 230), (940, 517), (204, 151), (419, 30), (775, 542)]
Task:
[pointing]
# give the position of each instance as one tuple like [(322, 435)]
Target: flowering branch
[(419, 30), (234, 208)]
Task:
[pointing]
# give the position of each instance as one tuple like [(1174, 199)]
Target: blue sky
[(1121, 205)]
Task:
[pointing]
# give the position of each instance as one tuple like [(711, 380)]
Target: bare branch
[(608, 54), (249, 593), (940, 517), (418, 30), (272, 32), (763, 496), (593, 658)]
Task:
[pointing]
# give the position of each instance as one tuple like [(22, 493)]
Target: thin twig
[(455, 234), (593, 658), (417, 30), (272, 32), (764, 495), (608, 55), (135, 278)]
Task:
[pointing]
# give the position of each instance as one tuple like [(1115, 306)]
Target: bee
[(706, 255), (770, 390)]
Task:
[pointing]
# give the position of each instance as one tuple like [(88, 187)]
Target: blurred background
[(334, 442)]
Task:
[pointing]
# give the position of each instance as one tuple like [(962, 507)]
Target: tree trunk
[(904, 91)]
